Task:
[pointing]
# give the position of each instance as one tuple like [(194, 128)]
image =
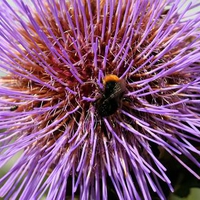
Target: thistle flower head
[(56, 54)]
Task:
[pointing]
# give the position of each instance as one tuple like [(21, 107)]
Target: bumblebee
[(113, 91)]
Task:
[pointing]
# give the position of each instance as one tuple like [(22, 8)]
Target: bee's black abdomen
[(107, 107)]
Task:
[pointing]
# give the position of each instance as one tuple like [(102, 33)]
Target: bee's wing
[(119, 89)]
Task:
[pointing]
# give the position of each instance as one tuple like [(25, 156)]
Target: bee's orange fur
[(110, 77)]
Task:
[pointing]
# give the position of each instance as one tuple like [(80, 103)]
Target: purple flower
[(56, 55)]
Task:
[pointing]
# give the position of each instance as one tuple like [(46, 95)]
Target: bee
[(114, 89)]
